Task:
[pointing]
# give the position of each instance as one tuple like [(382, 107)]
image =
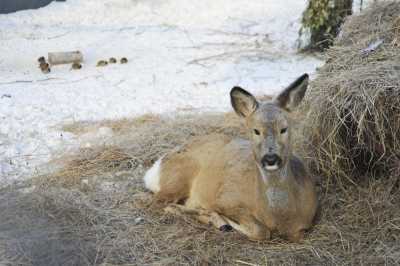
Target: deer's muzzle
[(271, 161)]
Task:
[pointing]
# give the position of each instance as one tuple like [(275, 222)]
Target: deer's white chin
[(271, 167)]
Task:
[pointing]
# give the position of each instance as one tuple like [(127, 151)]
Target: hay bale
[(353, 120), (375, 22)]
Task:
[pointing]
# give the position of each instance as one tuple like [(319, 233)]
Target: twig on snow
[(27, 81)]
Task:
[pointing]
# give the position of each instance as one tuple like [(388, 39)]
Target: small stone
[(139, 220), (102, 63), (42, 59), (44, 67), (76, 65)]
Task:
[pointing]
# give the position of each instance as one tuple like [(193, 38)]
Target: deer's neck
[(276, 187), (280, 176)]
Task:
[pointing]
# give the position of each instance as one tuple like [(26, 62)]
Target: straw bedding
[(95, 211)]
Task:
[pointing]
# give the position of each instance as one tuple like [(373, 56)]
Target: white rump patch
[(152, 177)]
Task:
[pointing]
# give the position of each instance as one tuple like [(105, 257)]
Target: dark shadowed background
[(8, 6)]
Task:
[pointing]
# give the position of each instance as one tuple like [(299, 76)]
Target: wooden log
[(65, 57)]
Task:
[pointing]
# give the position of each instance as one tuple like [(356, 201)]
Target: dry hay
[(131, 148), (353, 121), (95, 211), (396, 31), (57, 226)]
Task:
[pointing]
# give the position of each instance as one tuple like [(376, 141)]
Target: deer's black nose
[(270, 159)]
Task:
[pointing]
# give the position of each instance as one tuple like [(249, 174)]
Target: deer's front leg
[(250, 227), (297, 236), (204, 216)]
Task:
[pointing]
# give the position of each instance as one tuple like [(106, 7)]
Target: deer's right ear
[(243, 102)]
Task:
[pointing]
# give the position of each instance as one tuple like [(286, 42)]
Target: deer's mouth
[(271, 167)]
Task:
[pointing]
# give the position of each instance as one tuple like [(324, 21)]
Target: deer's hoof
[(226, 228)]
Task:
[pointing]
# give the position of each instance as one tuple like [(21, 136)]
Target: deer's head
[(268, 122)]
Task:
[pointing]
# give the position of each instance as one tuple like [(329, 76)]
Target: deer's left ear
[(291, 97)]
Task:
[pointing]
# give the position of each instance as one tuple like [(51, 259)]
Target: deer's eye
[(283, 130), (256, 132)]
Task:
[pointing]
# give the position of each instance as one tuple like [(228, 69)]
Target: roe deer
[(255, 186)]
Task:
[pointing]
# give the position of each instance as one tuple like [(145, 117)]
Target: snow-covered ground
[(359, 5), (183, 54)]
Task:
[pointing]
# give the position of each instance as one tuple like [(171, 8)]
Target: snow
[(183, 54)]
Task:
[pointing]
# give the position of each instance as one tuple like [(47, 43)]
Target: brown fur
[(222, 180)]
